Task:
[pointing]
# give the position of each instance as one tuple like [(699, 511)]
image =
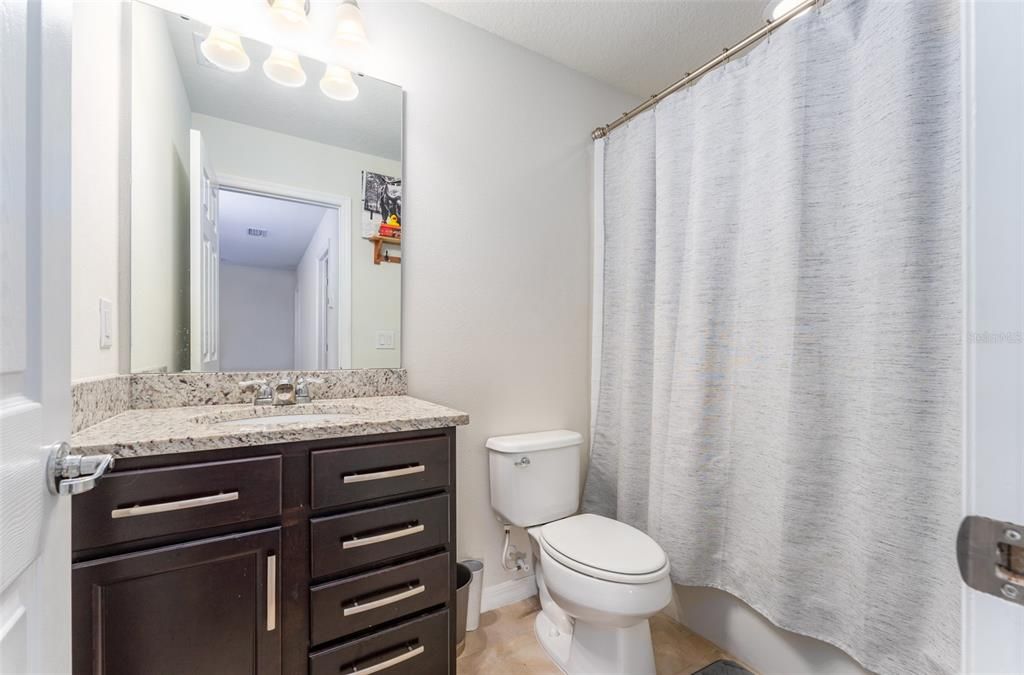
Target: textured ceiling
[(637, 46)]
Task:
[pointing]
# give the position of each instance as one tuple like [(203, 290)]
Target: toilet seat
[(605, 549)]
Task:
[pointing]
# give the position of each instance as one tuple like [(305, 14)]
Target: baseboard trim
[(505, 593)]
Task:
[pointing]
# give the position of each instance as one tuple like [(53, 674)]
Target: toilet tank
[(535, 478)]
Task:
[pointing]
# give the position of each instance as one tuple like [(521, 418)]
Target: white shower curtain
[(779, 402)]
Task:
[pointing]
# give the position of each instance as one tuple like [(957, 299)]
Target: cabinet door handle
[(271, 592), (380, 475), (357, 608), (163, 507), (394, 661), (356, 542)]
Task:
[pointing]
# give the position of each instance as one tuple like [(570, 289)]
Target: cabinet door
[(209, 607)]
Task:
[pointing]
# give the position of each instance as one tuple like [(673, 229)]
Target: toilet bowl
[(596, 600), (599, 580)]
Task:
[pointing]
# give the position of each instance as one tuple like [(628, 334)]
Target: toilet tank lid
[(540, 440)]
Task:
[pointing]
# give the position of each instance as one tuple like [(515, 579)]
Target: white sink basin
[(308, 418), (305, 413)]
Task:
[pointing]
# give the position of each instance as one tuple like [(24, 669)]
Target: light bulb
[(289, 13), (284, 68), (337, 83), (351, 31), (224, 49)]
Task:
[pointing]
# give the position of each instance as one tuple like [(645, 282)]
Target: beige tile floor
[(505, 645)]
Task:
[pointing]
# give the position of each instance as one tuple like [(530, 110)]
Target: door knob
[(68, 474), (991, 557)]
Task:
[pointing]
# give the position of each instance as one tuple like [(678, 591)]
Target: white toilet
[(599, 579)]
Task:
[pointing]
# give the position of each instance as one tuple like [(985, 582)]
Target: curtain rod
[(601, 132)]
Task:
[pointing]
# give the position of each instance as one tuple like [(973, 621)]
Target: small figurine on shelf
[(391, 228)]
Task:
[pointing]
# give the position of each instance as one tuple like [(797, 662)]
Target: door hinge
[(991, 557)]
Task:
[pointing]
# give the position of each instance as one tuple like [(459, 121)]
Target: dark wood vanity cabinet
[(321, 556)]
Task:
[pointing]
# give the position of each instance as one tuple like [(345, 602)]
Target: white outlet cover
[(385, 339)]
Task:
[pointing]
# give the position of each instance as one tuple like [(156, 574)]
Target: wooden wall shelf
[(378, 249)]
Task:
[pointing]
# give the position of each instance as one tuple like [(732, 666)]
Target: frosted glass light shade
[(283, 67), (224, 49), (351, 31), (337, 83), (776, 9), (289, 13)]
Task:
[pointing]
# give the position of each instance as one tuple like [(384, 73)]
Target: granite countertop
[(158, 431)]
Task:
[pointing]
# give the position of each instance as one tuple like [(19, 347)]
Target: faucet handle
[(260, 388), (302, 386)]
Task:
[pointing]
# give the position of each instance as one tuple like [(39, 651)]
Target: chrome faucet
[(287, 391), (284, 392)]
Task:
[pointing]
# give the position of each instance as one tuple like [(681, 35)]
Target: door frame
[(340, 203), (993, 282), (323, 301)]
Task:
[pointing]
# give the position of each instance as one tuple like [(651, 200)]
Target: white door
[(994, 274), (35, 271), (204, 270)]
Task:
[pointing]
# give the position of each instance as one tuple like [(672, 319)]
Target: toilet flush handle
[(522, 462)]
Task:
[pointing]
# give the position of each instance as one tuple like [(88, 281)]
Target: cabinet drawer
[(349, 475), (130, 505), (343, 607), (340, 543), (418, 647)]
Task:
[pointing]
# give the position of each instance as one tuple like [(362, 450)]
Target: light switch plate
[(106, 323), (385, 339)]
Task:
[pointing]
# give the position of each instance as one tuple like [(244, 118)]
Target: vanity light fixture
[(290, 14), (778, 8), (351, 30), (337, 83), (224, 49), (283, 67)]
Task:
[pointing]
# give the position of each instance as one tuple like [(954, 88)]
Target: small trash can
[(476, 567), (463, 577)]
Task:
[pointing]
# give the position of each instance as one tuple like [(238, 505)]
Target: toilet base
[(597, 650), (555, 641)]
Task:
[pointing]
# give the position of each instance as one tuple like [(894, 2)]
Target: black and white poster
[(382, 204)]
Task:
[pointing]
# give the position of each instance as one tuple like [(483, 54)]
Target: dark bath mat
[(723, 668)]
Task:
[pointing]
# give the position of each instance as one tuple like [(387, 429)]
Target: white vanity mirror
[(265, 206)]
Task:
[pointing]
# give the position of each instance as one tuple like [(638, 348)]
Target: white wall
[(268, 156), (160, 197), (96, 165), (497, 237), (308, 293), (257, 318)]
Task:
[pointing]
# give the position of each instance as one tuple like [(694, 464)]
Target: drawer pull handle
[(356, 542), (380, 475), (178, 505), (394, 661), (271, 592), (357, 608)]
